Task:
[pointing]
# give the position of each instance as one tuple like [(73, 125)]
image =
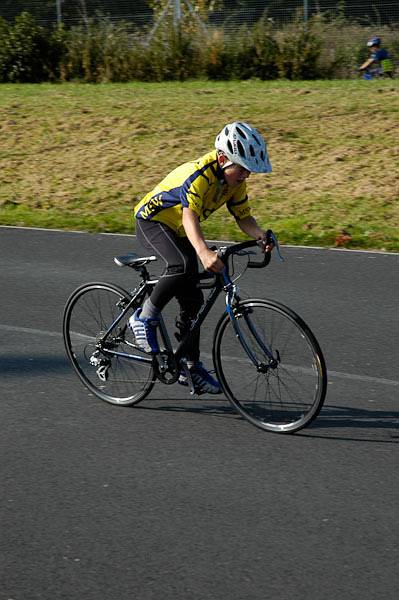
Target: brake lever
[(271, 238)]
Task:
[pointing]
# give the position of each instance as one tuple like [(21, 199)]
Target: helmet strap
[(226, 163)]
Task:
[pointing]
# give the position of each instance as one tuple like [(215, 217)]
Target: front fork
[(235, 312)]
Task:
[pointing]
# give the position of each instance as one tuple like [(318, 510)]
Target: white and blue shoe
[(202, 380), (145, 332)]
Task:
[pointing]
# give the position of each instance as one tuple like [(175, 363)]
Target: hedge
[(103, 51)]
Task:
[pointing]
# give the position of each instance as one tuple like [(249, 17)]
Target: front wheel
[(276, 375), (92, 309)]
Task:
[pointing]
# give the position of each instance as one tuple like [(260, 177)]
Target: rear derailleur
[(102, 363)]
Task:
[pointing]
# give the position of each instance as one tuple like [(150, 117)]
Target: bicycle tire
[(283, 399), (89, 311)]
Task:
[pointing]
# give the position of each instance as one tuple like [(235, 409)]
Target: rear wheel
[(89, 313), (285, 390)]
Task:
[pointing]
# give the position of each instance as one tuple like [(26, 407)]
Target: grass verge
[(78, 156)]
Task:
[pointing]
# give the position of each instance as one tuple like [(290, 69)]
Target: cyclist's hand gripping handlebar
[(225, 252), (271, 240)]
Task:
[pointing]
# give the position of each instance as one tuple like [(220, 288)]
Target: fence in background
[(230, 13)]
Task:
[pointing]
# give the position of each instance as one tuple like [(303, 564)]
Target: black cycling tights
[(178, 279)]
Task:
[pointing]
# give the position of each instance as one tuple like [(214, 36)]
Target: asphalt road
[(179, 498)]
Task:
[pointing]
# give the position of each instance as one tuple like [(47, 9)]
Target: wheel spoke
[(89, 313), (283, 397)]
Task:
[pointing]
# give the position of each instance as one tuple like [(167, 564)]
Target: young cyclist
[(168, 224), (379, 62)]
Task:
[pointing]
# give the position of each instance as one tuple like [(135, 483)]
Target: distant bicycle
[(267, 360)]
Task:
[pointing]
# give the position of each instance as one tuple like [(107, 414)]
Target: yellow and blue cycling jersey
[(198, 185)]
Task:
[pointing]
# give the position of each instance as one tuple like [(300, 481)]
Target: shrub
[(299, 52), (85, 52), (58, 47), (265, 50), (97, 52), (219, 59), (116, 63), (249, 52), (175, 52), (4, 49), (26, 51)]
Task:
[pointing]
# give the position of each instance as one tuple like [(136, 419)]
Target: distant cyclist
[(379, 63), (168, 224)]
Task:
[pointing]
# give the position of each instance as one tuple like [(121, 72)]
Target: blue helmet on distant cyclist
[(374, 41)]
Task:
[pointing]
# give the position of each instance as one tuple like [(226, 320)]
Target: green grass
[(78, 156)]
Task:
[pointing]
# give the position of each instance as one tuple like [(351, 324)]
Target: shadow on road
[(334, 422), (26, 366), (356, 424), (218, 408)]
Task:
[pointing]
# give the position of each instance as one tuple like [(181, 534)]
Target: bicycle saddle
[(133, 260)]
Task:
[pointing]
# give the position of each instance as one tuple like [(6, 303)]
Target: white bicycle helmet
[(243, 145)]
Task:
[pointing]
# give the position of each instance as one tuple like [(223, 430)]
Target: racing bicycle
[(267, 360)]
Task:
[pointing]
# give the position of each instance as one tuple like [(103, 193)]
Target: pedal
[(163, 363)]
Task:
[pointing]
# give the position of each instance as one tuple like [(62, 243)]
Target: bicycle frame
[(144, 288), (222, 282), (140, 293)]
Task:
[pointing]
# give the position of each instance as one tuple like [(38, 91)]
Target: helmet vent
[(230, 146), (252, 151), (241, 132), (240, 148)]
